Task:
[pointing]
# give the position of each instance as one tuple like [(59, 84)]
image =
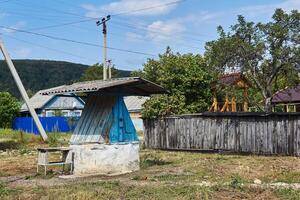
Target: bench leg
[(45, 170)]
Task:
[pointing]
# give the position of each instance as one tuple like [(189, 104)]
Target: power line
[(75, 41), (45, 47)]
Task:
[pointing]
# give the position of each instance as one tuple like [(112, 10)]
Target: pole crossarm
[(104, 31), (22, 91)]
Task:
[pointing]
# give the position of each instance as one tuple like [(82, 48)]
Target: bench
[(43, 158)]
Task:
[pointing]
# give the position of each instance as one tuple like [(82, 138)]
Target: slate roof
[(125, 86), (135, 103), (37, 101), (288, 95)]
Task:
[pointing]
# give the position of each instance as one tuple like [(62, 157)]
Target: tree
[(95, 72), (9, 107), (185, 76), (264, 53)]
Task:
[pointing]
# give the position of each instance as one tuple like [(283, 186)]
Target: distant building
[(134, 105), (49, 106), (287, 100)]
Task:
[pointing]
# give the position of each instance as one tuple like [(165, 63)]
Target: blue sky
[(185, 26)]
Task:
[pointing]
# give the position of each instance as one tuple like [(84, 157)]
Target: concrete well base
[(114, 159)]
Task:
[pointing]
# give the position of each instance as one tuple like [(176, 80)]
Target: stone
[(257, 181)]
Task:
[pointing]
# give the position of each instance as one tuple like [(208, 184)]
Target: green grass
[(288, 194)]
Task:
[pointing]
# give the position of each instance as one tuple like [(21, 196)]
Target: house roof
[(288, 95), (232, 79), (135, 103), (38, 101), (125, 86)]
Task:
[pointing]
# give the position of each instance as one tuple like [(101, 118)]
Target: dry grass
[(163, 175)]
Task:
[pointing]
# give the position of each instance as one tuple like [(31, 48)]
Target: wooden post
[(233, 104), (245, 106)]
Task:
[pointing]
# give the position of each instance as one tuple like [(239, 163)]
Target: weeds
[(149, 160), (236, 182)]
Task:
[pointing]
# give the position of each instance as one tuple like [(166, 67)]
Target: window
[(50, 113)]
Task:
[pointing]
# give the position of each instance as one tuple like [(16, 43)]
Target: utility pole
[(22, 90), (104, 31)]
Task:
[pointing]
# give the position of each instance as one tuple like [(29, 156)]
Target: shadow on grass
[(151, 160), (9, 145)]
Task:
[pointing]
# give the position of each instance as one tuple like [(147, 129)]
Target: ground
[(163, 175)]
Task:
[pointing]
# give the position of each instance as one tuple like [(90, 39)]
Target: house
[(287, 100), (49, 106)]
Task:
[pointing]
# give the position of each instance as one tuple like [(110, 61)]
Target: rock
[(257, 181)]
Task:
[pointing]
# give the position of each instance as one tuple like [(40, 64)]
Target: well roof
[(123, 86)]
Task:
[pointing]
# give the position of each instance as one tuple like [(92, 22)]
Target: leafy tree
[(9, 107), (185, 76), (264, 53), (95, 72)]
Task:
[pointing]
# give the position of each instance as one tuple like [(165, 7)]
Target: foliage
[(9, 107), (41, 74), (268, 54), (95, 72), (185, 76)]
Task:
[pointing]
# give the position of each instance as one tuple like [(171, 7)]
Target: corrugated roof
[(289, 95), (135, 103), (124, 86), (37, 101)]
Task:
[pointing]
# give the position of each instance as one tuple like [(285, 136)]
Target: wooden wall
[(257, 133)]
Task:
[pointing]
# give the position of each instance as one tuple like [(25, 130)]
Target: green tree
[(95, 72), (185, 76), (267, 54), (9, 107)]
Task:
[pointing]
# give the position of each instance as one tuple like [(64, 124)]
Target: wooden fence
[(257, 133)]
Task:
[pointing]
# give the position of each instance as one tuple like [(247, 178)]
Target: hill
[(41, 74)]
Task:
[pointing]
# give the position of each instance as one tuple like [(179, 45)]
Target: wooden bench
[(43, 158)]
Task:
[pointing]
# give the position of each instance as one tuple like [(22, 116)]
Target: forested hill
[(42, 74)]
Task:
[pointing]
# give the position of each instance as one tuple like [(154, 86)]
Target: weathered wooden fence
[(257, 133)]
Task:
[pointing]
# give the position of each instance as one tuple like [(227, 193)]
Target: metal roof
[(135, 103), (288, 95), (124, 86)]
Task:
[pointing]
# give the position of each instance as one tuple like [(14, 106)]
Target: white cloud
[(132, 7), (165, 30), (22, 52), (134, 37)]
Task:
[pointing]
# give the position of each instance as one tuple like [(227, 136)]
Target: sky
[(137, 30)]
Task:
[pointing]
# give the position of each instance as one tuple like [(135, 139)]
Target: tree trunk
[(268, 104)]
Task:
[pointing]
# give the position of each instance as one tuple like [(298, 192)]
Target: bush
[(9, 108)]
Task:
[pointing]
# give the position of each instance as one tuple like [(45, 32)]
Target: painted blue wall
[(122, 129)]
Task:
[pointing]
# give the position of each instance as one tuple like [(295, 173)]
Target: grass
[(163, 175)]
